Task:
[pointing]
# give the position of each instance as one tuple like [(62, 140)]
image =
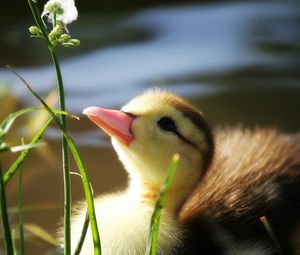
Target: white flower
[(64, 10)]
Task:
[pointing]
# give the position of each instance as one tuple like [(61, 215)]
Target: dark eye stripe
[(167, 124)]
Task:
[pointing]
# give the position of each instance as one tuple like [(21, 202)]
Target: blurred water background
[(238, 61)]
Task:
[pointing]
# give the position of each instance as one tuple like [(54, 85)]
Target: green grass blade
[(4, 147), (88, 194), (9, 246), (9, 120), (14, 167), (83, 234), (11, 171), (81, 167), (6, 124), (24, 147), (155, 219), (20, 211)]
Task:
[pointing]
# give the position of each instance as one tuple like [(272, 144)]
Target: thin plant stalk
[(20, 211), (65, 159), (83, 234), (155, 219), (9, 246), (81, 167)]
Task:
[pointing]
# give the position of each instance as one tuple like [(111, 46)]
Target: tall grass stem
[(82, 169), (66, 171), (65, 157), (20, 211), (9, 246)]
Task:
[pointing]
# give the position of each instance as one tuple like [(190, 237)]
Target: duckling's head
[(150, 129)]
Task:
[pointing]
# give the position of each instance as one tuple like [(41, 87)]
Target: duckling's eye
[(167, 124)]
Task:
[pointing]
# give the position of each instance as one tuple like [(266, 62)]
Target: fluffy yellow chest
[(124, 225)]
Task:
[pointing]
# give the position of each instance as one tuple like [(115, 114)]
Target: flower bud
[(64, 38), (55, 34), (72, 43), (34, 30)]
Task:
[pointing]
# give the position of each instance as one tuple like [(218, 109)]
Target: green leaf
[(25, 147), (9, 120), (15, 166), (155, 219)]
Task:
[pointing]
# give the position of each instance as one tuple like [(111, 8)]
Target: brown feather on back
[(246, 174)]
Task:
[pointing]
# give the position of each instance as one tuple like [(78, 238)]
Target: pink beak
[(115, 123)]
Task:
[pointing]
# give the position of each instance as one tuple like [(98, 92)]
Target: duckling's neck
[(147, 192)]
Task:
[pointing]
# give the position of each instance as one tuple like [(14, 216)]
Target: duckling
[(226, 181)]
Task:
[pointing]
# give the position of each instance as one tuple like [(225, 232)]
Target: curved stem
[(83, 234), (82, 169)]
